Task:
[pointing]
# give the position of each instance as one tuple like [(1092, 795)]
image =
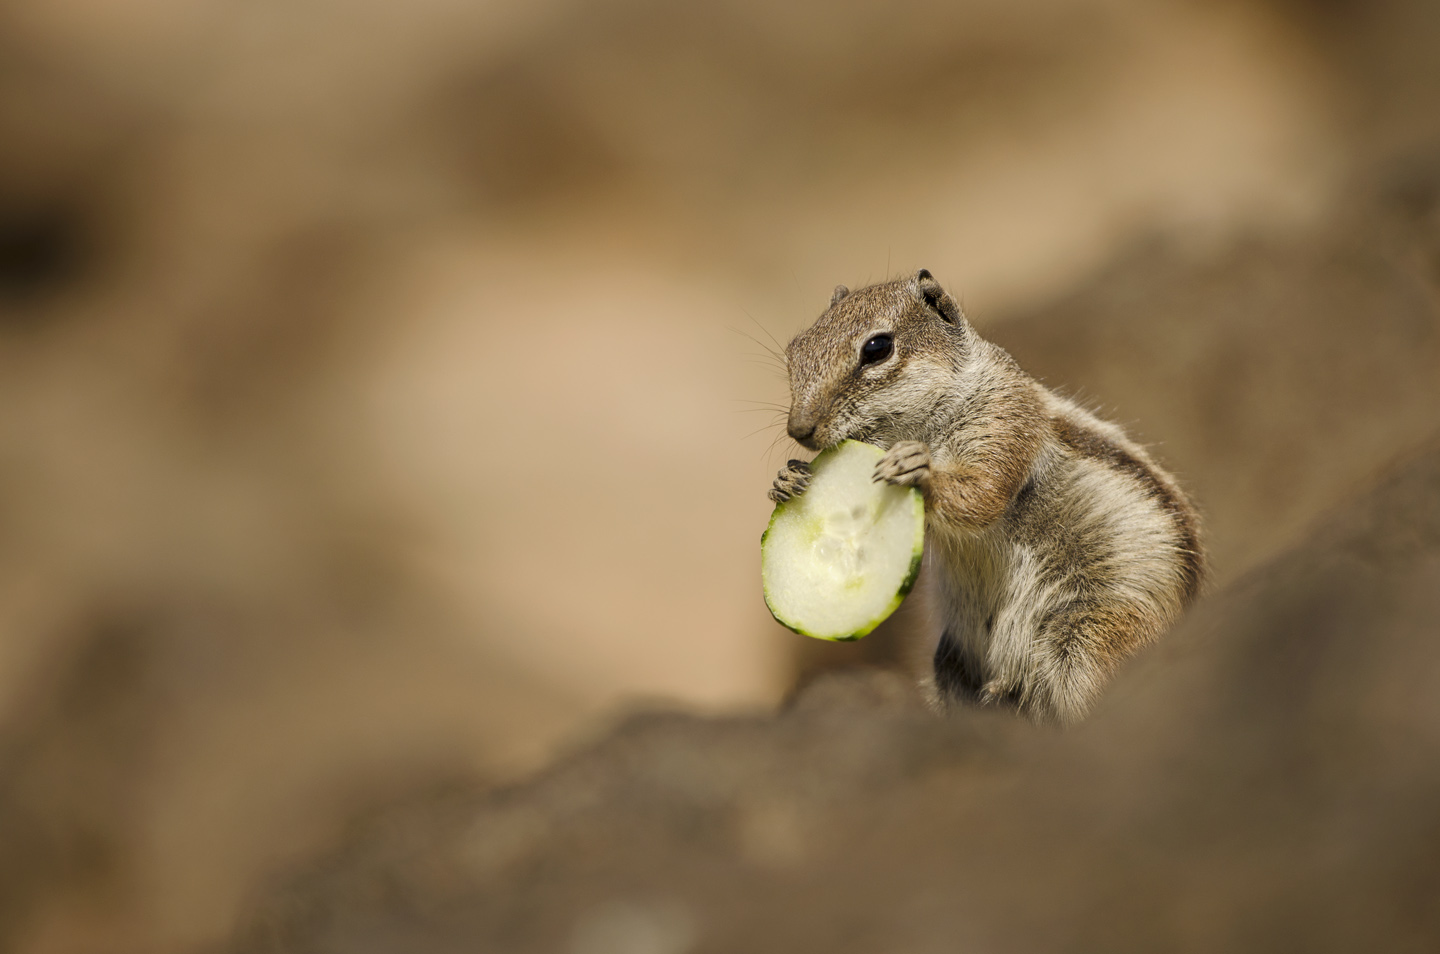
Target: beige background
[(378, 381)]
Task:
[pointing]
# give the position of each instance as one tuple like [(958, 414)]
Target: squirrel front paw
[(906, 464), (791, 481)]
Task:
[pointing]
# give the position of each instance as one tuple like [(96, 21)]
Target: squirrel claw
[(906, 464), (791, 481)]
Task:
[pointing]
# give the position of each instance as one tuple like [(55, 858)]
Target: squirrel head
[(877, 364)]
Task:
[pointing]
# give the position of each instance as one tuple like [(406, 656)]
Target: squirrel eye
[(876, 349)]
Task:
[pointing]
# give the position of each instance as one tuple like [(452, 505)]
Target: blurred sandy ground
[(375, 378)]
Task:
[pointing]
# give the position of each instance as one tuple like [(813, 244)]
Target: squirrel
[(1056, 545)]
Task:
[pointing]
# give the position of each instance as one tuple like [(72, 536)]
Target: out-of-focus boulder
[(1267, 779)]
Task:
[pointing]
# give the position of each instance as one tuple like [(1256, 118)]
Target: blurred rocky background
[(383, 410)]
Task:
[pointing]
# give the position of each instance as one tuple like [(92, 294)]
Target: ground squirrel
[(1056, 546)]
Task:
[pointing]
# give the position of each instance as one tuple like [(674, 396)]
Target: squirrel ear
[(840, 292), (935, 296)]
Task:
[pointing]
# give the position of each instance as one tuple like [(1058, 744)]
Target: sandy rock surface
[(1268, 779)]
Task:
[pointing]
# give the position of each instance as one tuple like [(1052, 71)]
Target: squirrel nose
[(800, 429)]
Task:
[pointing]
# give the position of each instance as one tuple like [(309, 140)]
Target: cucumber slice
[(839, 558)]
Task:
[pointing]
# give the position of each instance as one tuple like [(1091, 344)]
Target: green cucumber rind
[(914, 574), (911, 576)]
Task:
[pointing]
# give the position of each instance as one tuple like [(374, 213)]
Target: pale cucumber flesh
[(839, 558)]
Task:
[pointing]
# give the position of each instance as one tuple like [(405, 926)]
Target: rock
[(1266, 779)]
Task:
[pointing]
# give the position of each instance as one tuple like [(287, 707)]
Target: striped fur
[(1056, 546)]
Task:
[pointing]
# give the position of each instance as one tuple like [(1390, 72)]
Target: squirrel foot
[(997, 692), (791, 481), (906, 464)]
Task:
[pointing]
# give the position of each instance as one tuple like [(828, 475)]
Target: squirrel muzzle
[(801, 426)]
